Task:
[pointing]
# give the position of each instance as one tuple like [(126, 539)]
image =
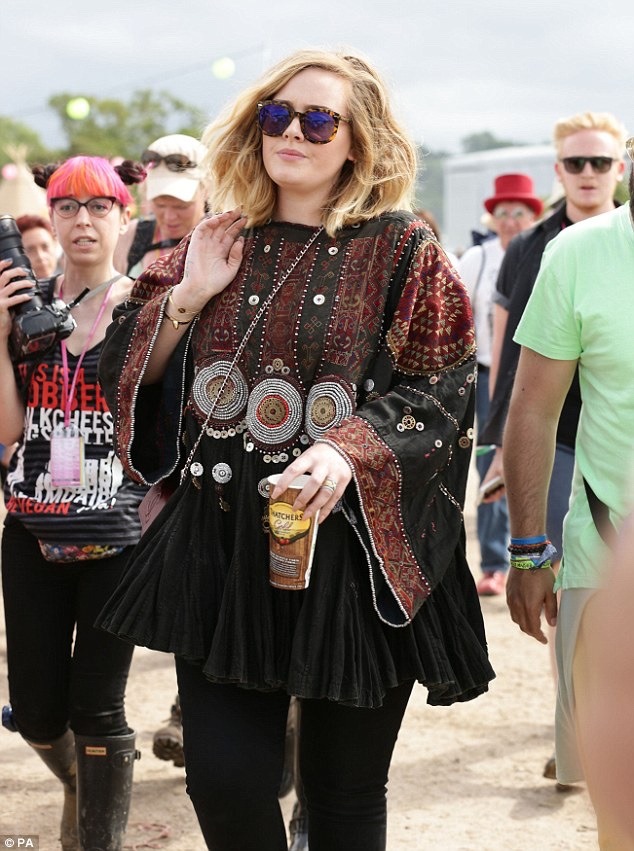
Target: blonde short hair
[(380, 179), (604, 122)]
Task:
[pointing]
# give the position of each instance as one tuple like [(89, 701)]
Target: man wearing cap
[(589, 148), (513, 207), (175, 190)]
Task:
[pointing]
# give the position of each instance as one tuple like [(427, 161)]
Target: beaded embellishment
[(232, 403), (275, 412), (329, 402)]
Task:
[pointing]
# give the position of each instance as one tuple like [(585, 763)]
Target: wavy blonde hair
[(381, 177)]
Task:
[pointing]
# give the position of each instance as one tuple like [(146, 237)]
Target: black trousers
[(234, 753), (62, 671)]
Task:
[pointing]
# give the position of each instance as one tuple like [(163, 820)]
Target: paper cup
[(291, 538)]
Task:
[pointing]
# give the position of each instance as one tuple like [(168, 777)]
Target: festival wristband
[(534, 561), (536, 539)]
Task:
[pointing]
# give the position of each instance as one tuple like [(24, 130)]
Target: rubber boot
[(104, 789), (59, 757), (167, 743)]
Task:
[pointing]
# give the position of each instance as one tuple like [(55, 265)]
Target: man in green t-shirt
[(579, 314)]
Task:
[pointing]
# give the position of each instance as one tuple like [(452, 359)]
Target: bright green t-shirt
[(582, 307)]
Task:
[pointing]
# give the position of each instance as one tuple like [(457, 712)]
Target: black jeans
[(234, 754), (62, 671)]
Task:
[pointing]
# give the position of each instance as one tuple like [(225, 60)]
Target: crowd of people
[(282, 307)]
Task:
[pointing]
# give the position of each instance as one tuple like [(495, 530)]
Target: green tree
[(15, 134), (116, 128), (485, 141), (622, 193)]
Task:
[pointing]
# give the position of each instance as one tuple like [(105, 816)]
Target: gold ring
[(331, 484)]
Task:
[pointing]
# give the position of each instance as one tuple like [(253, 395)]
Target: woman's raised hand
[(213, 259)]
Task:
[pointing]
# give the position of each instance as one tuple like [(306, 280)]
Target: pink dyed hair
[(87, 176)]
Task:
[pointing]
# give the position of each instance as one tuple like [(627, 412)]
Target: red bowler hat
[(515, 187)]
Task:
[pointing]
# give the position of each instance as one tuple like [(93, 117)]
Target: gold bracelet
[(182, 310), (177, 322)]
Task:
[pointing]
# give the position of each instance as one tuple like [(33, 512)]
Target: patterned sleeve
[(146, 430), (409, 447)]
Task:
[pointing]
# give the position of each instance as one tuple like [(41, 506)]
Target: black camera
[(36, 324)]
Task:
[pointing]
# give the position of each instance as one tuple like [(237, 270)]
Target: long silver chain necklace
[(262, 310)]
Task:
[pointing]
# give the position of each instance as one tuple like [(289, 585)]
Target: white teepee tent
[(19, 194)]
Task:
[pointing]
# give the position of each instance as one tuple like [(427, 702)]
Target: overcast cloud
[(455, 68)]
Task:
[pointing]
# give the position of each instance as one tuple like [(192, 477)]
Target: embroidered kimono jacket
[(368, 345)]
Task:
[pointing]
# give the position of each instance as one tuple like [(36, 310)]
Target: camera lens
[(36, 325), (11, 245)]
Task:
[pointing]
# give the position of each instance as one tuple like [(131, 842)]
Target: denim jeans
[(493, 517)]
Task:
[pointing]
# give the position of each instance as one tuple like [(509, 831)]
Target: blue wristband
[(522, 542)]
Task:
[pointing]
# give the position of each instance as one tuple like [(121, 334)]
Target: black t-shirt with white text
[(104, 509)]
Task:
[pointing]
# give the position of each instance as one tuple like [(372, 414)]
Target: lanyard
[(69, 395)]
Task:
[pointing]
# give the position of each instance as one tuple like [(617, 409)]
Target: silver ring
[(330, 484)]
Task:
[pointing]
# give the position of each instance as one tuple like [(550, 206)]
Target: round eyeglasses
[(319, 125), (69, 207)]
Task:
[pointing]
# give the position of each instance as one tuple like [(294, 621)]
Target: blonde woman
[(315, 329)]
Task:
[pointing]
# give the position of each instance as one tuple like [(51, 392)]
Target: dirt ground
[(464, 778)]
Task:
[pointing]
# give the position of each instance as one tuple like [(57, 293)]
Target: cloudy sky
[(455, 67)]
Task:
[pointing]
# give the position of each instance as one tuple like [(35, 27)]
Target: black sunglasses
[(319, 125), (174, 162), (575, 165)]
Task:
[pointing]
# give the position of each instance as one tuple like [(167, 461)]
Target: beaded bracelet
[(521, 549)]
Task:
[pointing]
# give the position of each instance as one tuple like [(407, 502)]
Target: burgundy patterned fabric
[(378, 479), (432, 331)]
